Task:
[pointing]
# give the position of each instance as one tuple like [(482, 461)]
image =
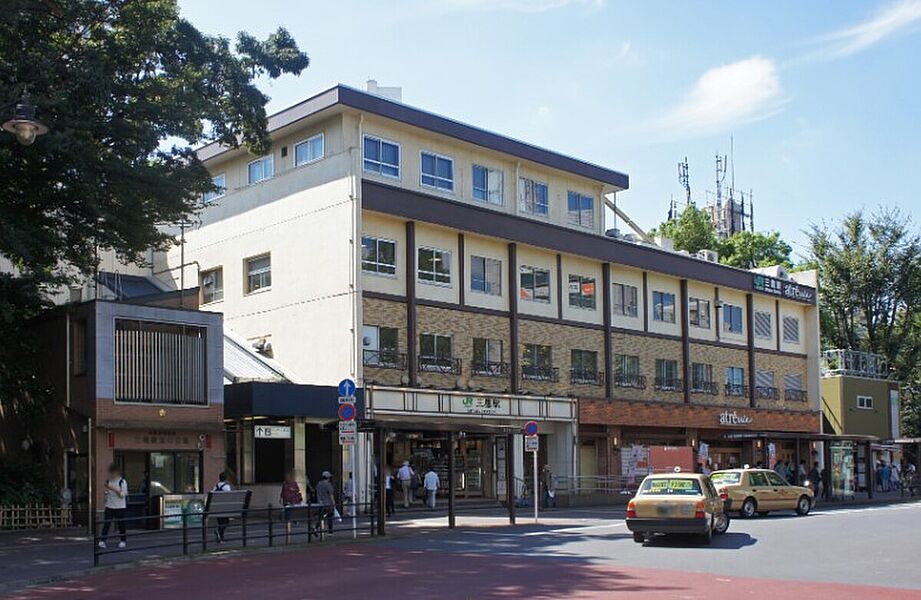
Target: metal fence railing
[(192, 533), (596, 484), (37, 516)]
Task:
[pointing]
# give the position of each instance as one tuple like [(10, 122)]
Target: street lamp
[(23, 124)]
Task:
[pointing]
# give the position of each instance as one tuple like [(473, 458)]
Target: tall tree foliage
[(749, 249), (114, 80), (691, 231)]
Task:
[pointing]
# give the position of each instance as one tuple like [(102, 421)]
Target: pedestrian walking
[(781, 469), (326, 497), (116, 503), (801, 472), (406, 476), (221, 486), (885, 474), (348, 496), (815, 479), (290, 491), (388, 490), (414, 484), (546, 480), (430, 483), (895, 478)]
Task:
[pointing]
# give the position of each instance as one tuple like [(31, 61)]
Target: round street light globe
[(23, 124)]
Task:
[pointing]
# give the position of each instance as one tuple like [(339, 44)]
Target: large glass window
[(212, 285), (381, 156), (258, 273), (437, 171), (309, 150), (667, 374), (699, 313), (534, 284), (582, 291), (584, 366), (732, 318), (487, 357), (627, 370), (220, 182), (537, 362), (663, 307), (533, 197), (486, 275), (435, 352), (261, 169), (580, 209), (380, 347), (434, 266), (735, 381), (378, 256), (487, 184), (624, 299), (701, 377)]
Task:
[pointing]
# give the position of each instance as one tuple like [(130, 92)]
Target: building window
[(627, 371), (378, 256), (663, 307), (624, 299), (261, 169), (537, 363), (702, 378), (258, 273), (435, 353), (437, 171), (865, 402), (487, 358), (764, 385), (764, 325), (667, 374), (309, 150), (584, 368), (735, 382), (732, 318), (534, 284), (791, 330), (381, 156), (212, 285), (580, 210), (380, 348), (533, 197), (487, 184), (793, 387), (78, 348), (699, 313), (219, 181), (582, 291), (486, 275), (434, 266)]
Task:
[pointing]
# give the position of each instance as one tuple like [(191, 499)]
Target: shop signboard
[(784, 289), (173, 506), (272, 432), (733, 418), (481, 405)]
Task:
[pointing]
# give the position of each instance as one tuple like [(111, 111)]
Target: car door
[(762, 490), (785, 494)]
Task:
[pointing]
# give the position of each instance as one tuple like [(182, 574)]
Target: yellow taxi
[(760, 491), (676, 503)]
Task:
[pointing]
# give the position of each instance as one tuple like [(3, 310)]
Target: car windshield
[(675, 487), (725, 478)]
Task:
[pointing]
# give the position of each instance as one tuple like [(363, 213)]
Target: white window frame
[(865, 402), (268, 158), (697, 302), (218, 293), (249, 273), (523, 183), (624, 307), (379, 163), (489, 171), (435, 177), (662, 313), (377, 241), (436, 367), (575, 217), (533, 297), (434, 274), (788, 340), (489, 289), (727, 309), (208, 197), (582, 279), (307, 141)]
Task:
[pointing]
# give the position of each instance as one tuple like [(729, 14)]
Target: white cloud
[(526, 6), (724, 97), (624, 50), (888, 21)]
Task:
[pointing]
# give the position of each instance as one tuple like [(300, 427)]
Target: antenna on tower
[(721, 164), (751, 211), (684, 177)]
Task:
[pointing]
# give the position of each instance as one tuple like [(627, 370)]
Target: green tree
[(749, 249), (127, 87), (691, 231)]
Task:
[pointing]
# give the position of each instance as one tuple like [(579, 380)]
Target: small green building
[(857, 395)]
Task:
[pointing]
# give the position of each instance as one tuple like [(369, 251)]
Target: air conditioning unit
[(708, 255), (630, 237), (613, 233)]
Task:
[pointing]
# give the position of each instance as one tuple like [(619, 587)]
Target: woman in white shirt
[(116, 492)]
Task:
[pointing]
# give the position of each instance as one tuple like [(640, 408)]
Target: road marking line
[(575, 529)]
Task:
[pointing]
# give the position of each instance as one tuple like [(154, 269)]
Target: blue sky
[(821, 97)]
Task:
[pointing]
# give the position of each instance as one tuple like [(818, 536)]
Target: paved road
[(850, 553)]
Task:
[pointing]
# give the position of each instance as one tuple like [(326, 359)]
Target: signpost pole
[(451, 479), (510, 477), (536, 486)]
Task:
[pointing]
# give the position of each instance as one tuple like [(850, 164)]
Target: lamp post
[(23, 124)]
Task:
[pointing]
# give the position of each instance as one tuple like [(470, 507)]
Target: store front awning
[(796, 435), (283, 399)]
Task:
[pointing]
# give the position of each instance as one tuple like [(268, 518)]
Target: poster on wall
[(634, 462), (174, 505), (772, 455)]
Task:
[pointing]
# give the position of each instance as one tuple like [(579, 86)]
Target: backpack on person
[(221, 486)]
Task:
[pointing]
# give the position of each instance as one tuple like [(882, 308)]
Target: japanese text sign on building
[(784, 289)]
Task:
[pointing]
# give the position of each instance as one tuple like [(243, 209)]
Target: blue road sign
[(346, 412), (346, 387), (530, 428)]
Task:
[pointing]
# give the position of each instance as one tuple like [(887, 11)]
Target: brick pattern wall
[(648, 349), (562, 339), (782, 365), (720, 358), (385, 313)]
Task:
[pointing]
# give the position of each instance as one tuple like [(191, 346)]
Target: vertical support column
[(513, 316), (645, 302), (380, 450), (559, 287), (300, 451), (685, 343), (461, 265), (717, 312), (870, 476), (777, 324), (510, 476), (451, 478), (796, 457), (826, 469), (608, 351), (411, 342), (750, 335)]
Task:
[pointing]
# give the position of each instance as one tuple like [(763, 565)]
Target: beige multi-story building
[(465, 280)]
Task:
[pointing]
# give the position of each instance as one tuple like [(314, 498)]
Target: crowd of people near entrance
[(895, 477), (410, 483)]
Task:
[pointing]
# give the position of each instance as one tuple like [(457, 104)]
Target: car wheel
[(803, 505), (749, 508), (639, 538), (721, 525)]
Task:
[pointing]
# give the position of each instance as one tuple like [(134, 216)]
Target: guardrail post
[(204, 532), (95, 543), (309, 524), (243, 523), (271, 528), (185, 533)]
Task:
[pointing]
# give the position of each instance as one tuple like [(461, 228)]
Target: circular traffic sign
[(530, 428), (346, 412), (346, 387)]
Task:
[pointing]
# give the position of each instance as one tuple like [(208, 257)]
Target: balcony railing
[(384, 359), (582, 377), (439, 364), (763, 392), (735, 389), (705, 387), (668, 384), (540, 373), (630, 381), (795, 395), (489, 369)]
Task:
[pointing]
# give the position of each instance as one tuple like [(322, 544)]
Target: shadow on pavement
[(728, 541)]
